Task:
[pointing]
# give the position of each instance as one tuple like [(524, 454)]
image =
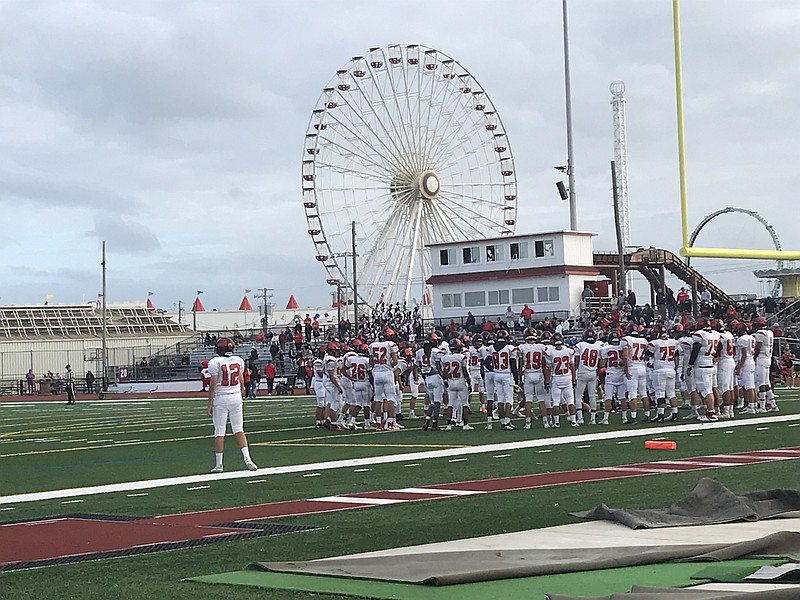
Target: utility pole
[(266, 294), (180, 311), (105, 327), (355, 280)]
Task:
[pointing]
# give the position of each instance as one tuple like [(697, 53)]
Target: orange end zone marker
[(665, 445)]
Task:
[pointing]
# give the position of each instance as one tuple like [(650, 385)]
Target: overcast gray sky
[(174, 130)]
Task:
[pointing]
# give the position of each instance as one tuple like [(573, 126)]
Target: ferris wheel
[(404, 142)]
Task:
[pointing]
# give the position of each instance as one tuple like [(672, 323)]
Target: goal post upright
[(686, 248)]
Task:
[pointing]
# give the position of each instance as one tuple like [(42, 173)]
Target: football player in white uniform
[(612, 360), (318, 370), (705, 344), (634, 354), (333, 390), (746, 368), (358, 372), (349, 406), (561, 365), (532, 363), (664, 353), (455, 367), (225, 394), (504, 355), (487, 365), (587, 359), (765, 342), (687, 380), (428, 360), (382, 360), (474, 358), (726, 367)]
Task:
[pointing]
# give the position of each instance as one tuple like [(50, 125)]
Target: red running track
[(88, 537)]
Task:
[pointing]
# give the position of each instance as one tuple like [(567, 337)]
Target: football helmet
[(224, 345)]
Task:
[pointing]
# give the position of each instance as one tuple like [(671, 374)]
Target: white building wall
[(464, 291)]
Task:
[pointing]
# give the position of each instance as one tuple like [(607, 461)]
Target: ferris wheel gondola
[(404, 142)]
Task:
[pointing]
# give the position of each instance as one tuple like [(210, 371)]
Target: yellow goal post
[(686, 248)]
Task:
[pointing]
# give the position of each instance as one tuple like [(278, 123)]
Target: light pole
[(573, 211)]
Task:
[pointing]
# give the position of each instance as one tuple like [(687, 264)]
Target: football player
[(225, 393)]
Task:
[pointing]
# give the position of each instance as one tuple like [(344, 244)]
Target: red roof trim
[(513, 274)]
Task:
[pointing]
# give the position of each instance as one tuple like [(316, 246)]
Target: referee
[(69, 384)]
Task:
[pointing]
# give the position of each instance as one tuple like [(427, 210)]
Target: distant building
[(547, 271)]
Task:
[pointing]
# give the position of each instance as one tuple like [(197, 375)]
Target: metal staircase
[(652, 263)]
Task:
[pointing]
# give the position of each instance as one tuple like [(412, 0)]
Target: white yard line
[(310, 469)]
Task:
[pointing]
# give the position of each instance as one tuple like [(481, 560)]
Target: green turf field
[(49, 446)]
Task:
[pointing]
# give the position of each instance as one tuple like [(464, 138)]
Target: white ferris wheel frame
[(406, 143)]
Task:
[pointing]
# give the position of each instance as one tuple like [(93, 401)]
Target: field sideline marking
[(373, 460)]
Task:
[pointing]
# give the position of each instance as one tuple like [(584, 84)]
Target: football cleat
[(251, 466), (217, 469), (467, 428)]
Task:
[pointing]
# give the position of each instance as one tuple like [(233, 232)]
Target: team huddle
[(712, 367)]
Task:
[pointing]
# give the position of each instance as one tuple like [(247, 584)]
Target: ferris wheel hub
[(429, 185)]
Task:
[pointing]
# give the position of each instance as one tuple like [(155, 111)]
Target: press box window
[(447, 257), (471, 255), (519, 250), (522, 296), (451, 300), (543, 248), (494, 253), (498, 297), (474, 298), (547, 294)]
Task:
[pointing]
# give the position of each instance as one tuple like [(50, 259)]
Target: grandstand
[(47, 337)]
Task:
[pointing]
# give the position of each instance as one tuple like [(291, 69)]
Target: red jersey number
[(638, 351), (613, 359), (360, 372), (452, 370), (533, 360), (500, 360), (667, 353), (589, 357), (561, 365), (379, 355), (230, 375)]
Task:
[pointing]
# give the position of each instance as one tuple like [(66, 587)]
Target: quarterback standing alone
[(225, 393)]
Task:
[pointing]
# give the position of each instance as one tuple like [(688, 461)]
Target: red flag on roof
[(198, 306), (150, 304), (426, 299), (292, 304), (245, 304)]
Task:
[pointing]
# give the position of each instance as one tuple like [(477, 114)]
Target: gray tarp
[(708, 503), (645, 593), (448, 568)]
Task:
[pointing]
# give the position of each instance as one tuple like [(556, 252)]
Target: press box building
[(547, 271)]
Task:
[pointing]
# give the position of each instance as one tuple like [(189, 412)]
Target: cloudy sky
[(174, 130)]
